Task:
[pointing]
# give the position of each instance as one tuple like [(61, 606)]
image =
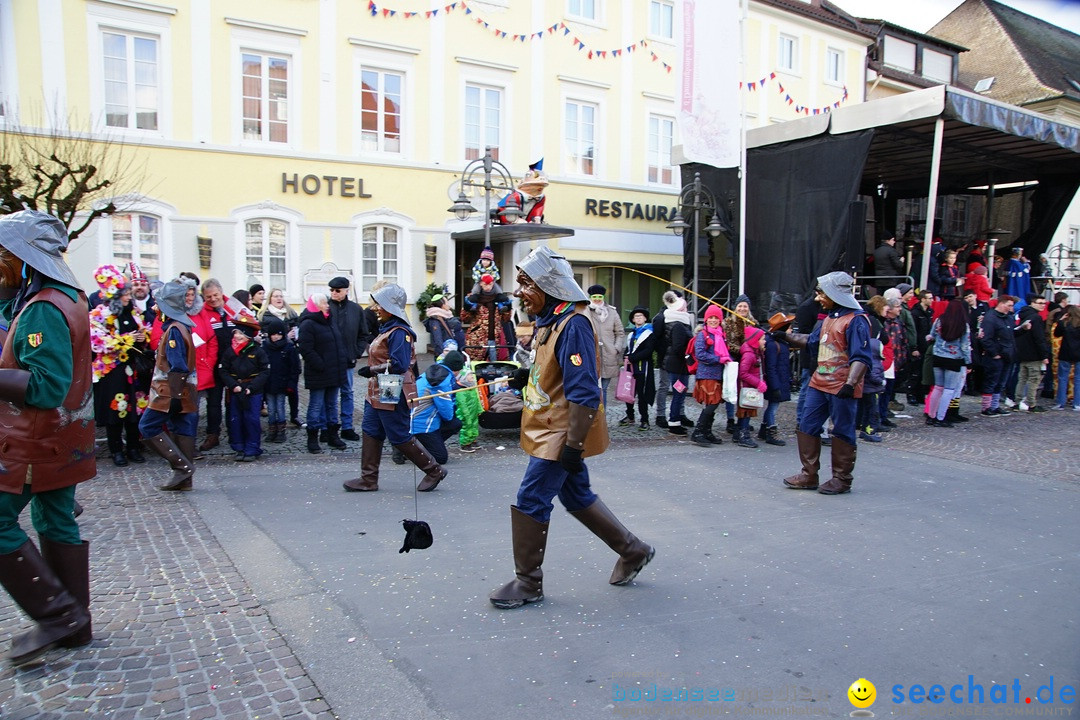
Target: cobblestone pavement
[(179, 634)]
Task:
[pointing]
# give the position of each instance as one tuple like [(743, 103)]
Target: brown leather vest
[(379, 354), (545, 419), (160, 394), (832, 357), (51, 448)]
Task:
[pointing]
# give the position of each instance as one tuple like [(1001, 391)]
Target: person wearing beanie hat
[(433, 420), (45, 385), (735, 325), (256, 297), (610, 333), (486, 313), (244, 371), (282, 376), (678, 332), (563, 422), (660, 346), (392, 352), (485, 265), (639, 354), (751, 374), (841, 347), (711, 351)]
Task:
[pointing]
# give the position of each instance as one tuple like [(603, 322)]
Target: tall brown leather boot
[(71, 563), (810, 456), (34, 586), (633, 553), (421, 458), (210, 442), (843, 464), (530, 541), (370, 455), (181, 464)]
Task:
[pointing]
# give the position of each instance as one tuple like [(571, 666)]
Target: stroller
[(491, 418)]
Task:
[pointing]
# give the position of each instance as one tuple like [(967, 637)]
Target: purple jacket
[(711, 356)]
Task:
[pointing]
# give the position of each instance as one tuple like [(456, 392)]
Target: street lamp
[(696, 199), (496, 178)]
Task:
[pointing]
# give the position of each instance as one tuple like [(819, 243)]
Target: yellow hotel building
[(294, 140)]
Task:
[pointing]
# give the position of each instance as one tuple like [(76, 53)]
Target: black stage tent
[(804, 178)]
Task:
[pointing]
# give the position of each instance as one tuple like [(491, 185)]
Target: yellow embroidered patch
[(172, 343), (35, 339), (575, 359)]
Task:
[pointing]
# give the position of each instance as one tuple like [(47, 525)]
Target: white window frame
[(155, 23), (574, 11), (675, 177), (9, 77), (500, 145), (838, 80), (384, 58), (781, 40), (495, 77), (268, 211), (570, 167), (278, 44), (656, 32), (266, 124), (380, 139), (265, 257), (138, 205), (404, 226)]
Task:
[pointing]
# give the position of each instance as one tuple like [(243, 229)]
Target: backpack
[(691, 356)]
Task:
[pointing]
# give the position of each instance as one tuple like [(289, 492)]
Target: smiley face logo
[(862, 693)]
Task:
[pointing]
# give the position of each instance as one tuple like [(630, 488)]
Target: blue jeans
[(995, 376), (1063, 382), (245, 423), (604, 383), (677, 398), (804, 383), (322, 408), (347, 400), (768, 419), (544, 479), (275, 408), (435, 441), (821, 406), (153, 423), (868, 412)]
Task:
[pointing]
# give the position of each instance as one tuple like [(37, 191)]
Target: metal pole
[(931, 201), (492, 352), (695, 228), (743, 21)]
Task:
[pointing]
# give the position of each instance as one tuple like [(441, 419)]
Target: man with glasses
[(611, 334), (1032, 352)]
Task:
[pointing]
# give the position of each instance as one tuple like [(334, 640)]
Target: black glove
[(846, 391), (571, 459), (519, 379), (175, 406), (780, 336), (365, 371)]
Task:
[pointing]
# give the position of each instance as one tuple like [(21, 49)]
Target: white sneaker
[(1023, 406), (1009, 403), (1076, 408)]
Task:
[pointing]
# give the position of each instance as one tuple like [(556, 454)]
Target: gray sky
[(921, 15)]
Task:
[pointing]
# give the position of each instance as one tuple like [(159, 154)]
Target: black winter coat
[(997, 339), (349, 318), (660, 339), (284, 366), (1031, 344), (1070, 341), (325, 361), (641, 364), (679, 335), (249, 369)]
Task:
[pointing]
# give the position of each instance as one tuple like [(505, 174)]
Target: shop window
[(662, 19), (788, 53), (379, 255), (380, 110), (483, 121), (130, 65), (661, 137), (581, 137), (136, 237), (265, 97), (264, 252)]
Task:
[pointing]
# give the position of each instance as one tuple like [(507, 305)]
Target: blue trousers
[(275, 408), (435, 441), (678, 399), (544, 479), (392, 424), (347, 401), (245, 423), (804, 383), (821, 406), (153, 422), (322, 409), (51, 513)]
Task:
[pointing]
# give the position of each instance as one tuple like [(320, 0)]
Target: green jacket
[(43, 347)]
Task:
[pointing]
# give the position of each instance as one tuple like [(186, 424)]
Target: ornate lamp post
[(697, 200), (495, 178)]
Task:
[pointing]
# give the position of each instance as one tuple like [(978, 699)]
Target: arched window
[(265, 252), (379, 255), (136, 237)]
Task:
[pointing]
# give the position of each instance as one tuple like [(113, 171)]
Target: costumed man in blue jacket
[(841, 348), (392, 351), (563, 421), (46, 432)]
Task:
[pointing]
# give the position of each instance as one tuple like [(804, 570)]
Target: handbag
[(625, 390), (730, 390), (751, 399)]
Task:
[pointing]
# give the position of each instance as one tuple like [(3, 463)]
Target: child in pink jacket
[(750, 375)]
